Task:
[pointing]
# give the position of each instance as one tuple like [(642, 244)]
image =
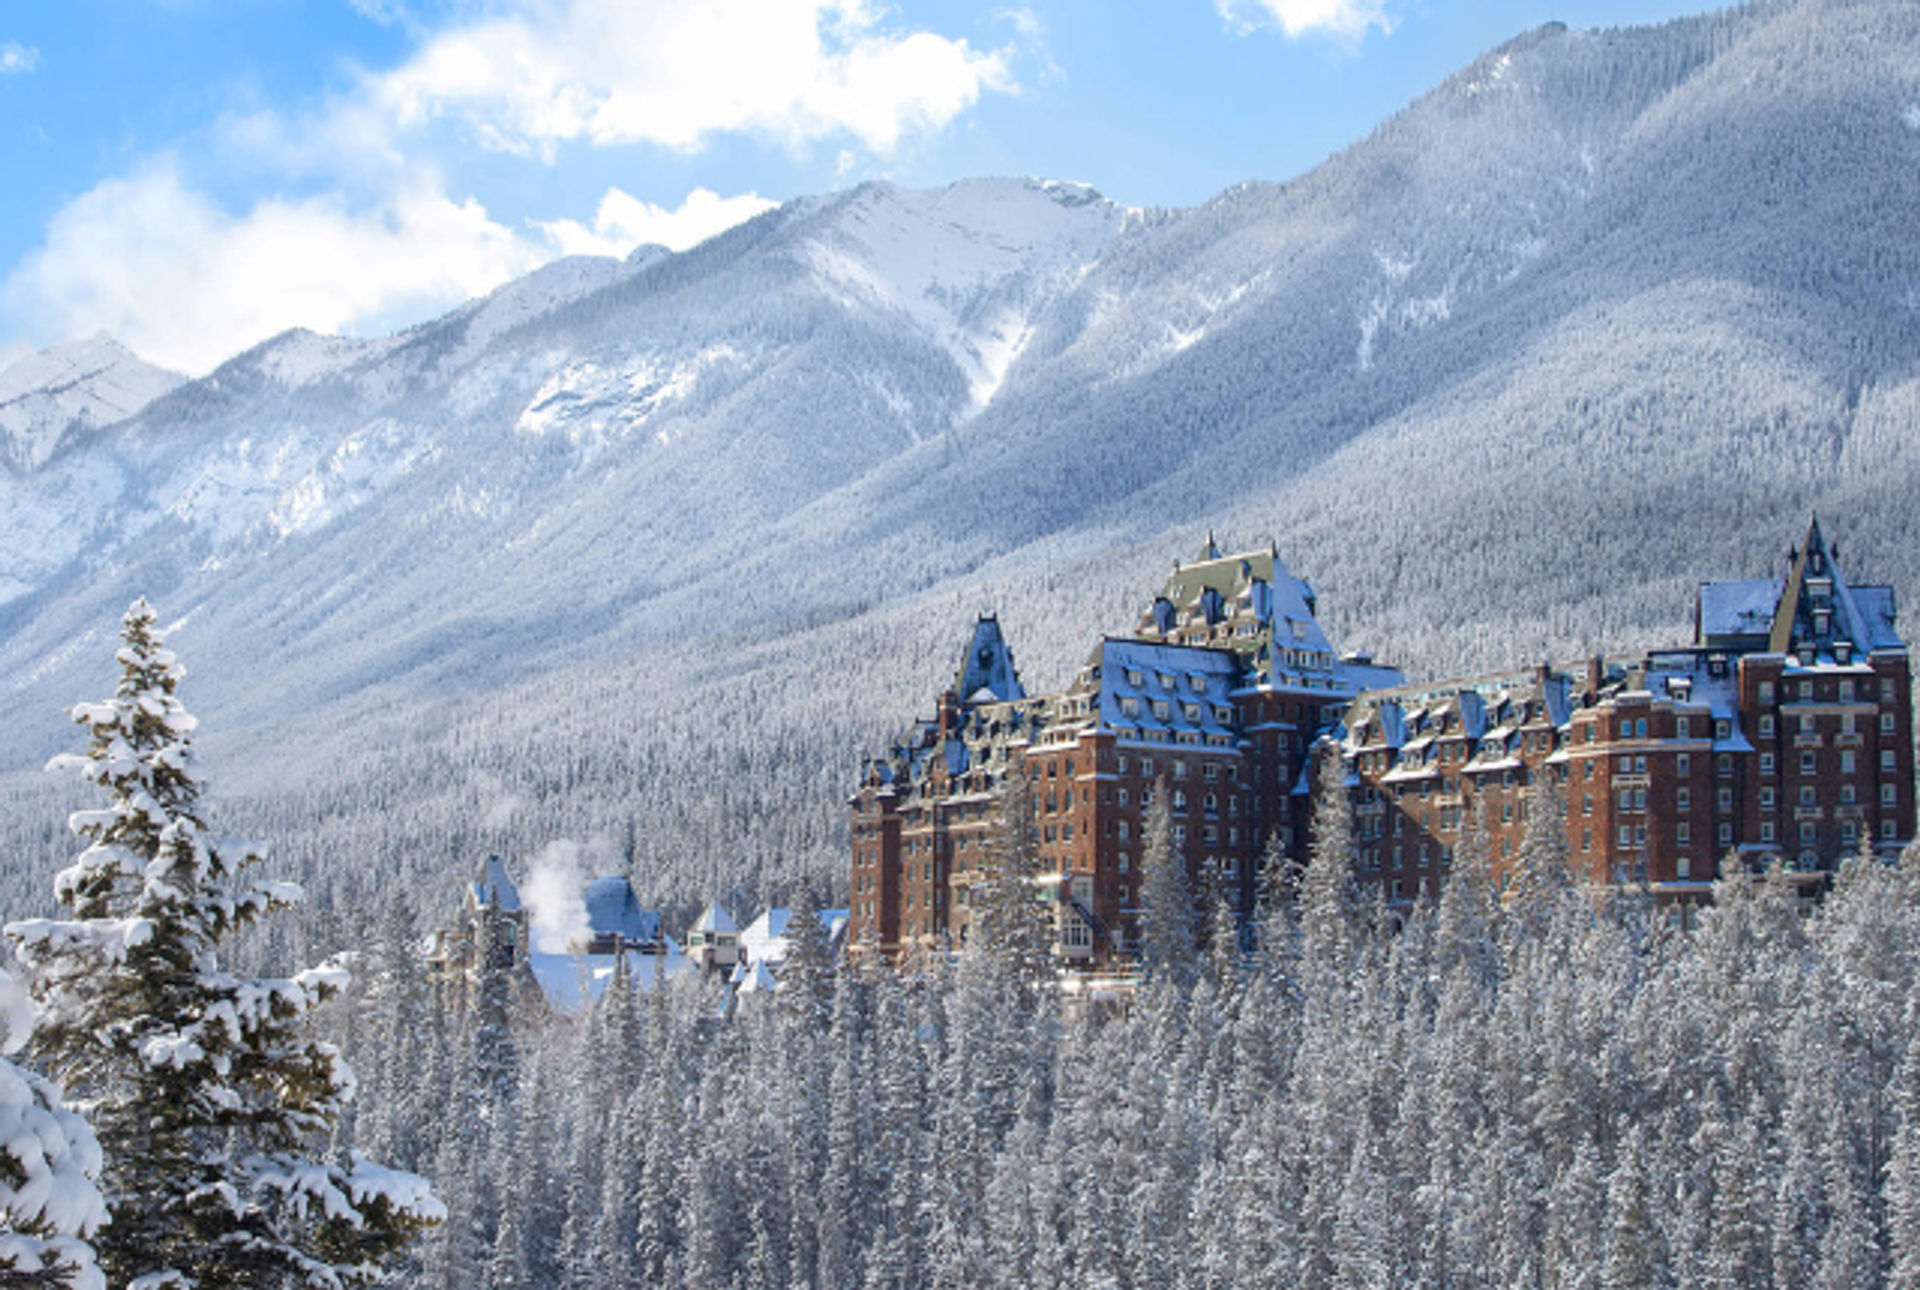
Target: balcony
[(1808, 813), (1806, 741)]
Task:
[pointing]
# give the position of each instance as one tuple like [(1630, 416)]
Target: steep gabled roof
[(494, 887), (613, 909), (986, 672), (715, 918)]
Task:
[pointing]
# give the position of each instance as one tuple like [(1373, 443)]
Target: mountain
[(64, 391), (653, 550)]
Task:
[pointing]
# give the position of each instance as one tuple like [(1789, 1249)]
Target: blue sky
[(193, 176)]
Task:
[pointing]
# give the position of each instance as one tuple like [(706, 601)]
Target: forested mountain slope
[(653, 551)]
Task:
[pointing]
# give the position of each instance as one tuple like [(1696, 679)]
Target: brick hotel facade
[(1784, 732)]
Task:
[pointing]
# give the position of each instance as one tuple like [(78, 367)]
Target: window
[(1723, 799), (1179, 835), (1198, 684), (1766, 830), (1806, 795), (1133, 677), (1179, 800), (1590, 766), (1889, 796), (1849, 833), (1210, 772), (1682, 728), (1586, 804), (1683, 833), (1766, 691), (1726, 832), (1806, 833), (1146, 767), (1846, 795), (1806, 723), (1161, 710), (1766, 726), (1122, 863), (1586, 839), (1766, 763), (1639, 799), (1886, 828), (1886, 723), (1766, 799), (1123, 797), (1722, 728), (1179, 768), (1886, 759), (1626, 835), (1683, 764), (1723, 765), (1191, 711), (1640, 728), (1683, 863), (1123, 764), (1683, 799), (1640, 765)]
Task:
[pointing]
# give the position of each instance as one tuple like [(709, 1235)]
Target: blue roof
[(612, 908), (987, 674)]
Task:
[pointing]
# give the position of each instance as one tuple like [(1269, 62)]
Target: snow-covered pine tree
[(1167, 947), (50, 1202), (806, 976), (1329, 898), (208, 1099), (1009, 920)]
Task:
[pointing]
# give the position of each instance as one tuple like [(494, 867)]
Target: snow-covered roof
[(572, 981), (987, 673), (1191, 685), (1743, 607), (755, 980), (494, 887), (613, 909), (715, 918), (765, 938)]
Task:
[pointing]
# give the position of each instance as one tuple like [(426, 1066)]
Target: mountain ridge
[(1602, 314)]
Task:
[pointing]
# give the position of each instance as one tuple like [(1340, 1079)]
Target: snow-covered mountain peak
[(971, 265), (76, 385)]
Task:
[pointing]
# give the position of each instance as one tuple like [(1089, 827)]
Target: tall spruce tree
[(209, 1101), (1167, 948), (1010, 922)]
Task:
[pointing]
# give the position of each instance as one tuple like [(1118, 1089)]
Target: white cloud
[(189, 281), (1349, 19), (623, 222), (182, 282), (15, 59), (674, 74)]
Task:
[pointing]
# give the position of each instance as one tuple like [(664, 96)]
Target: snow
[(969, 265), (46, 396), (572, 981), (715, 919)]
